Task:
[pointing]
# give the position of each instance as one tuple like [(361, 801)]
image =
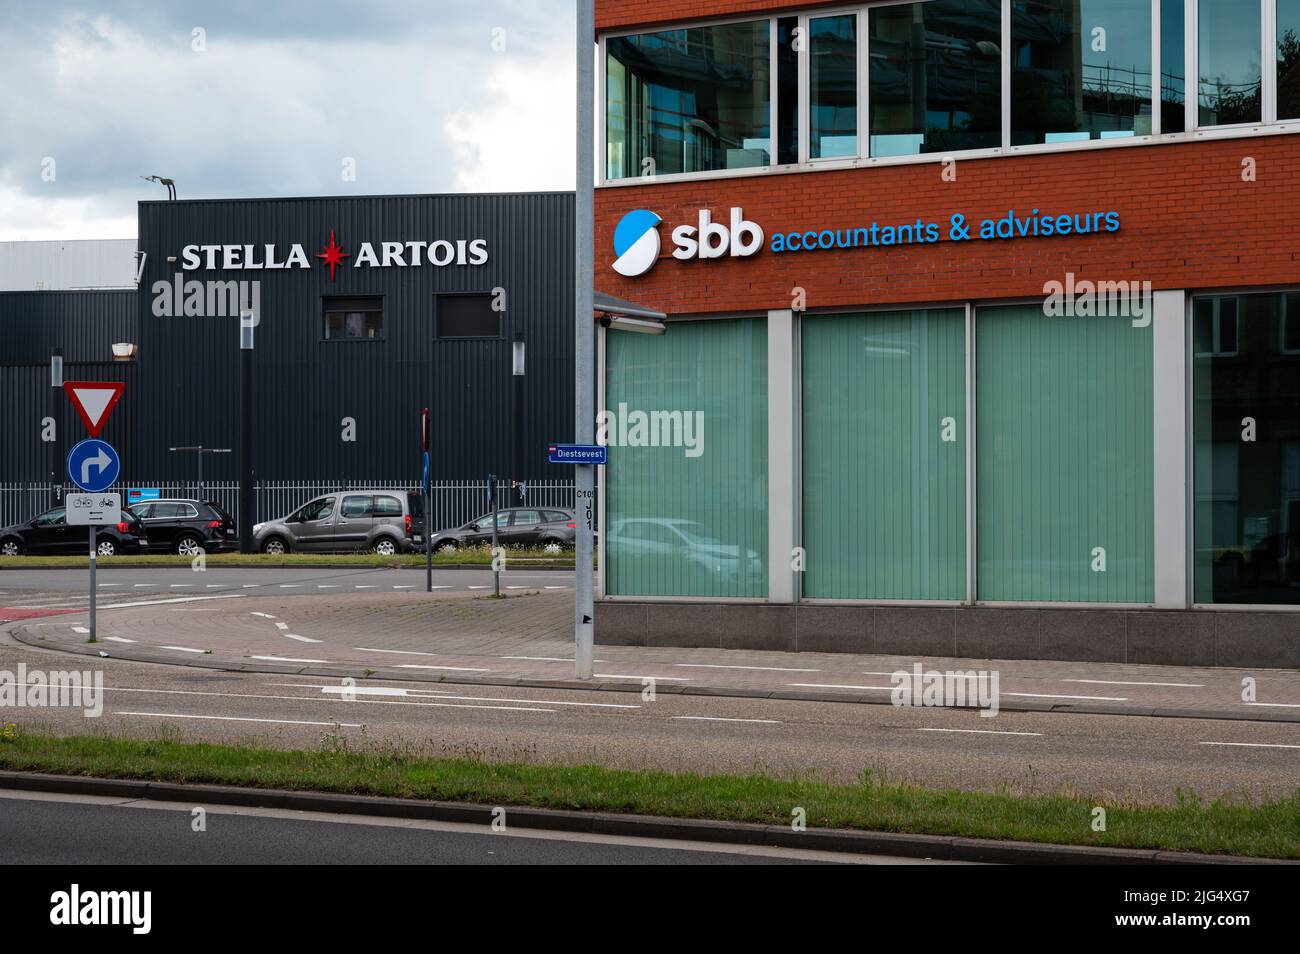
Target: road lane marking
[(836, 685), (1048, 695), (446, 668), (981, 731), (301, 639), (111, 584), (281, 625), (557, 587), (1253, 745), (540, 658), (429, 694), (395, 652), (182, 715), (139, 585), (405, 586), (426, 702), (364, 586), (251, 586), (216, 586), (80, 629), (119, 639), (176, 586), (289, 586), (263, 615), (484, 587), (1116, 682), (327, 586), (184, 649), (288, 659), (760, 668), (175, 599), (721, 719), (1280, 705)]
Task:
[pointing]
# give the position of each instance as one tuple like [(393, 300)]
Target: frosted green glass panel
[(687, 521), (884, 493), (1064, 427)]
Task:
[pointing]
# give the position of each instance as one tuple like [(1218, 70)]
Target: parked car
[(649, 542), (49, 533), (184, 526), (385, 521), (546, 527)]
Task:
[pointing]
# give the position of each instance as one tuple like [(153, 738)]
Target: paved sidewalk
[(526, 639)]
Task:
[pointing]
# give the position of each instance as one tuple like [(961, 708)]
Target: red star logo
[(333, 254)]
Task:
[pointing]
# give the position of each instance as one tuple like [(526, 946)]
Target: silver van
[(384, 521)]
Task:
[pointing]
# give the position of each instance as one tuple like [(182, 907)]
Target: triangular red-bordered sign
[(94, 401)]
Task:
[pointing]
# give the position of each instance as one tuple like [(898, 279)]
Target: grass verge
[(1264, 830)]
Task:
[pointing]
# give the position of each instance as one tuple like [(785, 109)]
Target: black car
[(546, 527), (49, 533), (184, 526)]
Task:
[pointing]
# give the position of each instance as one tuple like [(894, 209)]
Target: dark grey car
[(549, 528), (385, 521)]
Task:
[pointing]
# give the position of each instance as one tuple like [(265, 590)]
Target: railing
[(452, 502)]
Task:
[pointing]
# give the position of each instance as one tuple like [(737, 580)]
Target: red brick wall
[(1188, 221)]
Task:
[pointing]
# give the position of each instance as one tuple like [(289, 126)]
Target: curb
[(17, 630), (940, 847)]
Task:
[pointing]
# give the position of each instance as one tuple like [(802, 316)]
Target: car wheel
[(386, 546), (106, 548), (11, 548), (552, 546), (189, 545), (275, 546), (446, 546)]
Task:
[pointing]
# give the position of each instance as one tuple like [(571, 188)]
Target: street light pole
[(517, 420), (247, 321), (585, 337), (56, 386)]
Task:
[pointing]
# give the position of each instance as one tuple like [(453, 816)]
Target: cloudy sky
[(272, 98)]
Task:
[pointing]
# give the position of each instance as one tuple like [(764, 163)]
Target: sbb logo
[(636, 240)]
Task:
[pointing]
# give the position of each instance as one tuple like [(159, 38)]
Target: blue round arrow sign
[(93, 465)]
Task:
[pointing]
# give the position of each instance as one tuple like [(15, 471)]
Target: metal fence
[(452, 502)]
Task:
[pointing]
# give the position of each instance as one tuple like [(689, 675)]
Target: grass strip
[(1261, 830)]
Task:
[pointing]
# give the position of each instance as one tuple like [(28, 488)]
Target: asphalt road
[(50, 588), (43, 829), (1110, 759)]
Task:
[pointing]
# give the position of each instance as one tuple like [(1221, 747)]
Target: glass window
[(1214, 326), (1080, 69), (387, 507), (833, 86), (935, 76), (354, 319), (355, 507), (1064, 465), (787, 91), (166, 511), (1246, 428), (884, 455), (1288, 59), (1229, 62), (1173, 68), (466, 316), (705, 494), (556, 516), (317, 509), (527, 518), (691, 100), (51, 518)]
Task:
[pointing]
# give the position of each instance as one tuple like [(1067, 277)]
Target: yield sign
[(94, 400)]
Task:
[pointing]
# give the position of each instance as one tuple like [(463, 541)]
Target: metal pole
[(92, 584), (584, 394), (496, 573), (246, 504), (200, 493), (56, 385), (428, 546)]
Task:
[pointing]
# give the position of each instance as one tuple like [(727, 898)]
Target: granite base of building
[(1159, 637)]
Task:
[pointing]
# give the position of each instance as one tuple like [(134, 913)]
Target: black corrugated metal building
[(420, 309)]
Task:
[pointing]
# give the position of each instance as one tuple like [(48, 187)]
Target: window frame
[(326, 311), (1193, 129), (437, 333)]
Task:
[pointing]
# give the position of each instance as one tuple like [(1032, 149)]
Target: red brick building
[(979, 342)]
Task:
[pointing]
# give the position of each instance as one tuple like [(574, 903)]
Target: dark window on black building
[(354, 319), (466, 316)]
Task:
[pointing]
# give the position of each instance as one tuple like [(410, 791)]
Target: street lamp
[(517, 418), (56, 385), (247, 322)]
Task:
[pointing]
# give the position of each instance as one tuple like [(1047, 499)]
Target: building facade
[(986, 316), (368, 310)]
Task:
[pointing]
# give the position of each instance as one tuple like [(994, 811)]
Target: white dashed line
[(981, 731), (721, 719), (301, 639), (1116, 682), (759, 668), (290, 586), (445, 668), (80, 629), (263, 615), (181, 715), (608, 675), (288, 659), (1047, 695), (281, 625), (1279, 705), (1253, 745), (327, 586), (185, 649), (177, 586), (120, 639), (141, 585), (395, 652), (836, 685)]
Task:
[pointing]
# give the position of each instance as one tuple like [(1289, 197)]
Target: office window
[(1246, 431), (1173, 67), (1214, 326), (935, 76), (1080, 70), (1288, 59), (1064, 462), (354, 319), (787, 91), (884, 455), (690, 100), (833, 86), (686, 489), (466, 316), (1229, 62)]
